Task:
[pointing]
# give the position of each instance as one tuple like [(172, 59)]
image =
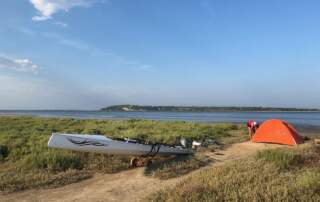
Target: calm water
[(303, 118)]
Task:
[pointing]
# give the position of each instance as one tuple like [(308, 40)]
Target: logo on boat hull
[(86, 142)]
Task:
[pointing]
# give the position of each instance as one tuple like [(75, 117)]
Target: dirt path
[(129, 185)]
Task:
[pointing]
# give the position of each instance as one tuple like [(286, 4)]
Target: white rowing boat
[(102, 144)]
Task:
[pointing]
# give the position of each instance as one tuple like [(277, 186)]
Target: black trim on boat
[(86, 142), (154, 150)]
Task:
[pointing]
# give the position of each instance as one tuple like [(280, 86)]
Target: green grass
[(176, 166), (282, 158), (261, 178), (27, 162), (290, 158)]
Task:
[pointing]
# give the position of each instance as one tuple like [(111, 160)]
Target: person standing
[(252, 127)]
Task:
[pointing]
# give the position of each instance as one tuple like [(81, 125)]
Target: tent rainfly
[(277, 131)]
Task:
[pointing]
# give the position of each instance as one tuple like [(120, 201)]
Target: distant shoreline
[(2, 111), (141, 108)]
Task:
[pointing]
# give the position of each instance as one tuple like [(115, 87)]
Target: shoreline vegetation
[(26, 162), (142, 108), (282, 174)]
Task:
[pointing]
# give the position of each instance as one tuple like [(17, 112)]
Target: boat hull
[(102, 144)]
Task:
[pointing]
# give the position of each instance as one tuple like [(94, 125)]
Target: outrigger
[(142, 152)]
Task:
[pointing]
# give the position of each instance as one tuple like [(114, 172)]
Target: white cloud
[(21, 65), (47, 8), (61, 24)]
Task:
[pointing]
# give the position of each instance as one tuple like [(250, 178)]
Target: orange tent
[(277, 131)]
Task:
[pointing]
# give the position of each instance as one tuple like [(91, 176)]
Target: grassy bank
[(26, 161), (272, 175)]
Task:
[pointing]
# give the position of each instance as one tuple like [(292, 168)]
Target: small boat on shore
[(102, 144)]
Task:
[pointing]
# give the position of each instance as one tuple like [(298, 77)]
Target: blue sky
[(87, 54)]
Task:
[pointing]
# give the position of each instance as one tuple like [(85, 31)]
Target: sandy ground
[(129, 185)]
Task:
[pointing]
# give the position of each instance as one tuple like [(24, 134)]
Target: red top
[(251, 123)]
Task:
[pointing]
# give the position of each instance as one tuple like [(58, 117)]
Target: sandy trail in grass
[(129, 185)]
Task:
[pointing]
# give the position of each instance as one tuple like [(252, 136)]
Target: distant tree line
[(199, 109)]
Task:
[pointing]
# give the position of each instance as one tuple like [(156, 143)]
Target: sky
[(88, 54)]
